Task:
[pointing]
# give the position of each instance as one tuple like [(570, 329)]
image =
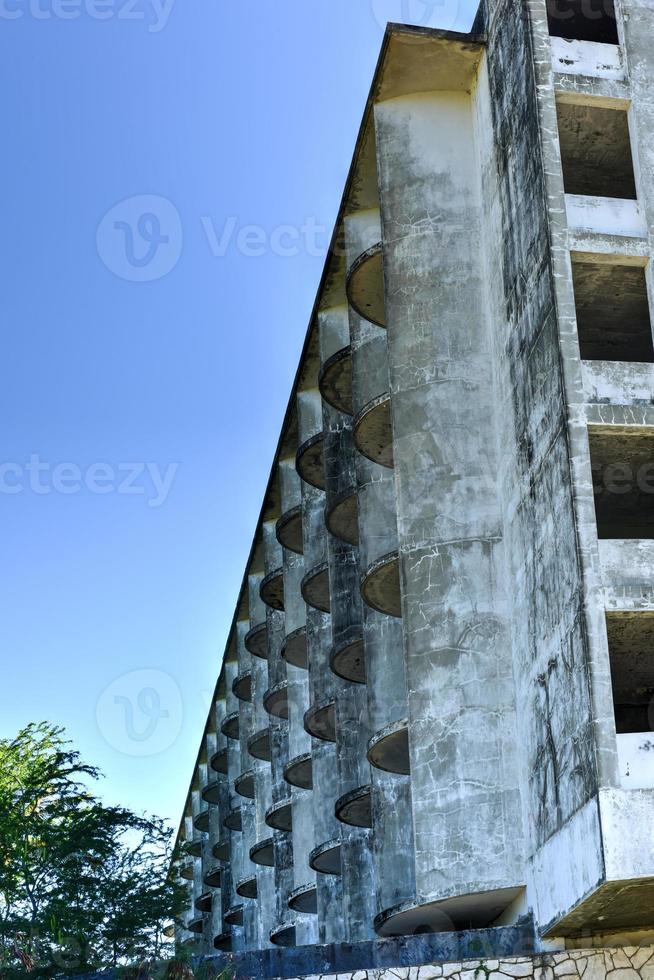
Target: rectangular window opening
[(613, 315), (631, 649), (583, 20), (622, 462), (596, 151)]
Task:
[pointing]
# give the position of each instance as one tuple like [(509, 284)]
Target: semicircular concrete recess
[(271, 590), (234, 916), (299, 771), (320, 720), (219, 761), (223, 942), (342, 516), (355, 808), (288, 530), (326, 858), (244, 784), (259, 745), (233, 820), (294, 648), (389, 749), (335, 380), (472, 911), (380, 585), (283, 935), (242, 686), (275, 700), (256, 641), (280, 816), (315, 588), (309, 461), (348, 662), (365, 286), (247, 887), (263, 853), (304, 899), (373, 431)]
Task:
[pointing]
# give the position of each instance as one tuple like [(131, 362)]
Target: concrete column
[(233, 820), (389, 804), (461, 717), (299, 742), (347, 720)]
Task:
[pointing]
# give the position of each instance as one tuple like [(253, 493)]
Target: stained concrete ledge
[(263, 853), (230, 726), (450, 914), (335, 380), (219, 761), (271, 590), (304, 899), (244, 784), (247, 887), (315, 588), (389, 749), (275, 700), (211, 792), (380, 585), (213, 877), (242, 686), (365, 286), (280, 816), (194, 848), (309, 461), (288, 530), (256, 641), (373, 431), (299, 771), (294, 648), (196, 925), (355, 808), (320, 720), (233, 820), (326, 858), (259, 745), (348, 662), (342, 516)]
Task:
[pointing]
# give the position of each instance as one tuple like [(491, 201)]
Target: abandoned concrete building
[(434, 713)]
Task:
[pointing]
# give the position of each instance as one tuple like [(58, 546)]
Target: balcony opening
[(583, 20), (631, 649), (622, 460), (613, 316), (596, 151)]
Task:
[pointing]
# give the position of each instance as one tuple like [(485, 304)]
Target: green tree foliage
[(82, 885)]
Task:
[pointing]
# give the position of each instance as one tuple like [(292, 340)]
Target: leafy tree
[(82, 885)]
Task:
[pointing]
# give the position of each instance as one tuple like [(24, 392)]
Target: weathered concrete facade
[(434, 711)]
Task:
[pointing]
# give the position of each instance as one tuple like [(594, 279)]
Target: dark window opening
[(596, 151), (631, 648), (583, 20), (622, 460), (613, 317)]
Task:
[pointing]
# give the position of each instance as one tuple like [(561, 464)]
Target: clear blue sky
[(236, 114)]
